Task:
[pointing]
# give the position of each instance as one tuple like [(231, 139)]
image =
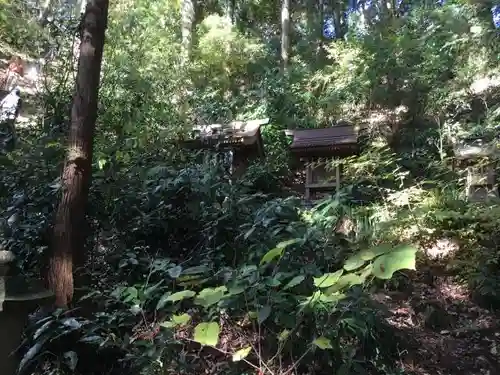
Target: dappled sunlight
[(443, 325), (453, 291), (482, 85), (441, 248), (234, 248)]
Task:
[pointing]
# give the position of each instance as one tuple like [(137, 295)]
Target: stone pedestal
[(18, 298), (477, 157)]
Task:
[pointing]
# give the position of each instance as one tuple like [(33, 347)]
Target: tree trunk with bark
[(337, 19), (285, 33), (44, 12), (187, 20), (230, 11), (69, 234)]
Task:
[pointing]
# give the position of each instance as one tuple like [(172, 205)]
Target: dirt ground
[(449, 334)]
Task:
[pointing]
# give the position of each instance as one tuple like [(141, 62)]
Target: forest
[(163, 261)]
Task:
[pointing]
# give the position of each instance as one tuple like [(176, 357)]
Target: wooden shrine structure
[(316, 149), (242, 138), (478, 158)]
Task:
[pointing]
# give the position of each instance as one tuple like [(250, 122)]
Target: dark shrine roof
[(333, 138), (475, 149), (233, 129), (234, 134)]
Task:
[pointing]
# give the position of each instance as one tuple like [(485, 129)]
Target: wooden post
[(337, 177), (490, 173), (308, 179)]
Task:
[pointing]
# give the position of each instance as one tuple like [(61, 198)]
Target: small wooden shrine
[(241, 140), (477, 158), (316, 149)]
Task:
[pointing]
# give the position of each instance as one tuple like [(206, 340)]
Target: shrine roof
[(335, 136), (248, 128), (233, 134), (475, 149)]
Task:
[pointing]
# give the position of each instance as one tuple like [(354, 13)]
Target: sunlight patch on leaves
[(323, 343), (179, 296), (241, 354), (176, 320), (207, 333), (294, 282), (210, 296), (271, 255), (400, 258), (327, 279), (278, 251)]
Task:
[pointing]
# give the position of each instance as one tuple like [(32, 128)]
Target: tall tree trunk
[(69, 234), (285, 33), (337, 19), (231, 11), (187, 21), (81, 4), (368, 11), (315, 16), (384, 9), (44, 12)]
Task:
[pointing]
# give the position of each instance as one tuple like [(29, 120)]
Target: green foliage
[(18, 29), (250, 292), (182, 256), (207, 333)]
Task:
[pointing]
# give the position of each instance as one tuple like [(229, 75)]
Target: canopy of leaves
[(180, 254)]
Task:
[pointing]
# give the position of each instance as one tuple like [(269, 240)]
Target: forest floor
[(446, 331)]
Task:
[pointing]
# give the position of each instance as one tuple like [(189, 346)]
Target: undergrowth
[(189, 270), (250, 280)]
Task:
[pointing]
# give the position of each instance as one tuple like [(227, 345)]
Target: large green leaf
[(375, 251), (162, 301), (210, 296), (323, 343), (283, 335), (263, 314), (207, 333), (277, 252), (237, 289), (30, 355), (402, 257), (346, 281), (241, 354), (175, 272), (294, 282), (179, 296), (358, 260), (284, 244), (332, 298), (271, 255), (354, 262), (176, 320), (328, 279), (130, 294)]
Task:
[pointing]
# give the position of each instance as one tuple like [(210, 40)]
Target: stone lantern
[(18, 298), (478, 159)]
